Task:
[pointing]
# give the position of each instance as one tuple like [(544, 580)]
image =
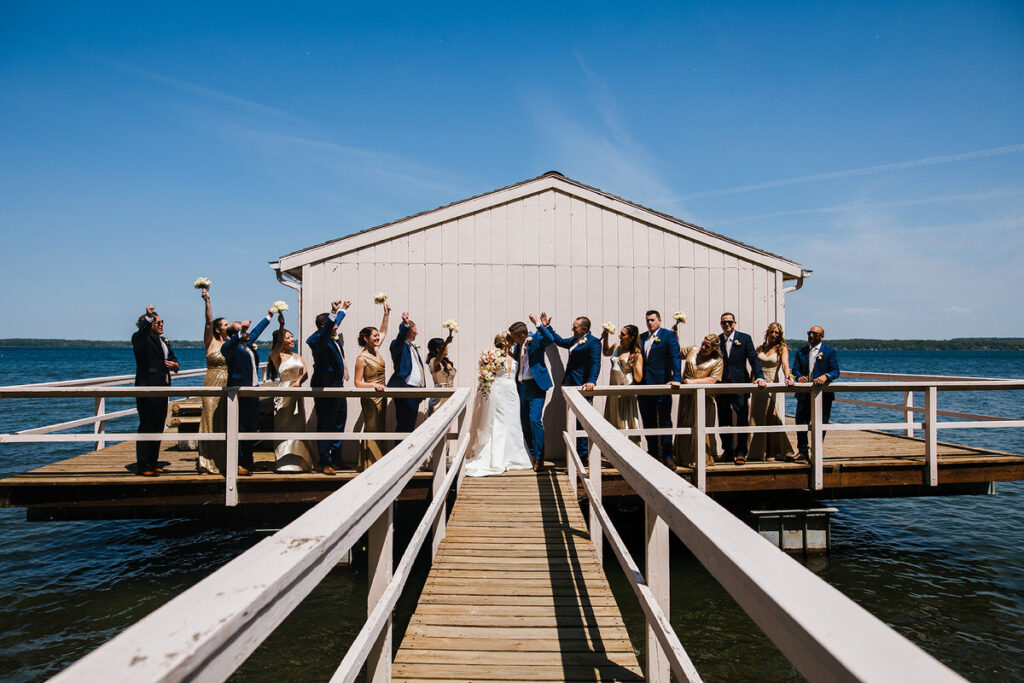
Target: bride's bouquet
[(492, 366), (279, 306), (202, 283)]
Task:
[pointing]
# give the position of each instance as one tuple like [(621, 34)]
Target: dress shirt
[(811, 357), (416, 374), (524, 363), (728, 344), (649, 343)]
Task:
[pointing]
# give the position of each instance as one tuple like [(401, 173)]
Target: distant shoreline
[(957, 344)]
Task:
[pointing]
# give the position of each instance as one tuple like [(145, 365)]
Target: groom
[(408, 373), (661, 366), (583, 366), (533, 380), (329, 371)]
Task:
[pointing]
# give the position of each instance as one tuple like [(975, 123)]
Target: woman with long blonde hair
[(774, 357), (701, 365)]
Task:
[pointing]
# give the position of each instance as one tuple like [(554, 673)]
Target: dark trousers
[(727, 403), (531, 416), (803, 417), (656, 413), (406, 411), (331, 415), (152, 416), (582, 442), (248, 421)]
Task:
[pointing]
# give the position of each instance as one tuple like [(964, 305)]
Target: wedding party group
[(513, 382)]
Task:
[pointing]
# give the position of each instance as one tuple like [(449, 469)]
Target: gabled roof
[(552, 180)]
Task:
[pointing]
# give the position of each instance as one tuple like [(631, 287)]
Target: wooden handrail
[(824, 634), (210, 629)]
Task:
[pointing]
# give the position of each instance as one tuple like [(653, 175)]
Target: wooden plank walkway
[(516, 592)]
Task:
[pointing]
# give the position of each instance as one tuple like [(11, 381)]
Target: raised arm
[(255, 332), (607, 345), (595, 363), (755, 364), (383, 329), (208, 328)]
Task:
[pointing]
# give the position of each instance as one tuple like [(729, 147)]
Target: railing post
[(231, 448), (594, 475), (817, 450), (570, 464), (656, 572), (381, 560), (100, 427), (908, 415), (931, 433), (440, 471), (700, 438)]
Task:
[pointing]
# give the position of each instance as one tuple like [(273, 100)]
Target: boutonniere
[(820, 356), (736, 342), (254, 346), (528, 341), (657, 340), (335, 337), (164, 340), (415, 346), (581, 342)]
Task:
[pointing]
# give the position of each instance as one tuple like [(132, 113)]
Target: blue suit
[(150, 371), (531, 391), (403, 355), (734, 371), (661, 366), (241, 374), (328, 371), (826, 364), (583, 367)]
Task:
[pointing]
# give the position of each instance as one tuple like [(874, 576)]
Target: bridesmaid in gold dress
[(627, 367), (370, 374), (442, 370), (213, 419), (703, 365), (774, 357)]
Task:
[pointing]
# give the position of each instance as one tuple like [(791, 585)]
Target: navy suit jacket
[(540, 340), (827, 364), (328, 355), (150, 370), (239, 366), (584, 362), (402, 357), (743, 352), (662, 362)]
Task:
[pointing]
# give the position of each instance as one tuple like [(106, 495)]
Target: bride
[(499, 445)]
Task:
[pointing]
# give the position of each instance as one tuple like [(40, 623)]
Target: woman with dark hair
[(703, 365), (213, 419), (370, 373), (774, 357), (627, 368), (289, 370), (441, 368)]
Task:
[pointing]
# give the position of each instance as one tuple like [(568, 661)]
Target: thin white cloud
[(843, 208), (959, 310), (855, 310), (867, 170)]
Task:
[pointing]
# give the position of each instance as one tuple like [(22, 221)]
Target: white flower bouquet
[(202, 283), (279, 306), (380, 297), (679, 317), (492, 365), (609, 327), (451, 324)]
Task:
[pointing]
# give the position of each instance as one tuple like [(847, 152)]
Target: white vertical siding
[(543, 252)]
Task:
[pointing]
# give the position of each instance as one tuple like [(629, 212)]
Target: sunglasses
[(812, 333), (727, 322)]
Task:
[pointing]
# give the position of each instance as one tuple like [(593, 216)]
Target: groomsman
[(817, 363), (154, 363), (661, 366), (737, 351), (533, 380), (329, 371), (409, 372), (243, 360), (583, 366)]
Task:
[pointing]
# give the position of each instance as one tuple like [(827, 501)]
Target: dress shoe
[(328, 470), (147, 473), (160, 470), (242, 472)]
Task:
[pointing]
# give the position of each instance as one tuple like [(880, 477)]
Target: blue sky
[(145, 144)]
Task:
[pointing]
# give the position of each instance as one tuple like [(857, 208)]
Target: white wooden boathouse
[(546, 244)]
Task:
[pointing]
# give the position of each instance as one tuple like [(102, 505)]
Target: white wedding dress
[(499, 445)]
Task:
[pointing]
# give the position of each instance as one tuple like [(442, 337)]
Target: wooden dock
[(102, 484), (516, 592)]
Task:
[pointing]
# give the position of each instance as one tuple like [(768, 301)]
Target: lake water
[(948, 573)]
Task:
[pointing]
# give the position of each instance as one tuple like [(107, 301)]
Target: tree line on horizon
[(955, 344)]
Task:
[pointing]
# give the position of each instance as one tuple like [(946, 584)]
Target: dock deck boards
[(102, 484), (516, 592)]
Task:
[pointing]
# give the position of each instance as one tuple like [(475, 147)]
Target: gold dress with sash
[(696, 369), (213, 418), (373, 410)]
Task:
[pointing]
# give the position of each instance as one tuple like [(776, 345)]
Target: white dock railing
[(103, 388), (824, 634), (930, 387), (206, 632)]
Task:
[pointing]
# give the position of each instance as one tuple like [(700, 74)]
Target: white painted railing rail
[(817, 428), (231, 436), (206, 632), (824, 634)]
